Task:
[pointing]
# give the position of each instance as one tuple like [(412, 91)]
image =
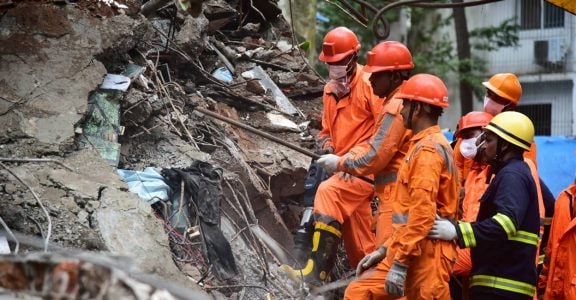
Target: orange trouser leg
[(464, 263), (371, 284), (429, 278), (347, 203), (428, 275), (384, 214), (357, 236)]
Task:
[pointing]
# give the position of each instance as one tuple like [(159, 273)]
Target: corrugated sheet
[(569, 5)]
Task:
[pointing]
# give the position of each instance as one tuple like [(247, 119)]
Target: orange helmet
[(425, 88), (473, 119), (389, 56), (339, 43), (505, 85)]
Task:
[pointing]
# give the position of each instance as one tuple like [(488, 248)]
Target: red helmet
[(425, 88), (473, 119), (339, 43), (389, 56), (505, 85)]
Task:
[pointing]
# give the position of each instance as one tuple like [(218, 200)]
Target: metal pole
[(266, 135)]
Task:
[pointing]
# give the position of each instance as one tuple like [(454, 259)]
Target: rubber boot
[(324, 246)]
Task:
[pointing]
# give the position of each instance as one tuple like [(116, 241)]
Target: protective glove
[(329, 162), (346, 177), (396, 279), (370, 260), (442, 229)]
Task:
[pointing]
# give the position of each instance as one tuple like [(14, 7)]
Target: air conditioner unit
[(550, 51)]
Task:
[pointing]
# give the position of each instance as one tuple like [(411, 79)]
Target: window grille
[(539, 14)]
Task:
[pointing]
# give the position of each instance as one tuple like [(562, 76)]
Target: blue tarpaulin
[(556, 157)]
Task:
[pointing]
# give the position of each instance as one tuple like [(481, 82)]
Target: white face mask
[(337, 72), (468, 147), (492, 107)]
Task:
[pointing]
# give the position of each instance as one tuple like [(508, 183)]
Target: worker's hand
[(442, 229), (370, 260), (329, 162), (346, 177), (396, 279), (325, 150)]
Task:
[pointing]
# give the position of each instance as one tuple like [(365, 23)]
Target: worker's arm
[(325, 135), (374, 155), (558, 225)]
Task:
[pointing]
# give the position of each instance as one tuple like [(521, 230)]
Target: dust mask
[(337, 72), (492, 107), (468, 147), (339, 84)]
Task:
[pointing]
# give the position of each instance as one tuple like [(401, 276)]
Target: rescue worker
[(475, 185), (504, 238), (342, 207), (557, 278), (390, 63), (470, 128), (427, 186), (503, 93)]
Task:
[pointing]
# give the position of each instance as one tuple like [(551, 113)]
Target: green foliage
[(304, 45), (493, 37), (339, 17), (433, 49)]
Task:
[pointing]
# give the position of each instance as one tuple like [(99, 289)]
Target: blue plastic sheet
[(148, 184), (556, 157)]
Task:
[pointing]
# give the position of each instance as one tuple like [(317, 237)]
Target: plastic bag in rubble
[(222, 74), (148, 184)]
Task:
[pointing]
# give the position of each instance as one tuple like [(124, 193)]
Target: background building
[(545, 60)]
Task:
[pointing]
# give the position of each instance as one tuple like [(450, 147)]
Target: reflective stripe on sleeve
[(506, 224), (399, 219), (467, 234), (525, 237)]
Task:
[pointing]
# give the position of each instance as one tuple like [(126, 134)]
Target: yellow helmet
[(514, 127)]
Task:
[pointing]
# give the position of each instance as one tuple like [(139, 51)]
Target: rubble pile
[(91, 88)]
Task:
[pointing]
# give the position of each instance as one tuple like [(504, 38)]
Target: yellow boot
[(324, 246)]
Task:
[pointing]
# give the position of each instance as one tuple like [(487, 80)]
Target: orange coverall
[(345, 123), (427, 185), (475, 186), (381, 156), (559, 273)]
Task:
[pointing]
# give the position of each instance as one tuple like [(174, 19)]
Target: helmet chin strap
[(496, 161), (410, 114)]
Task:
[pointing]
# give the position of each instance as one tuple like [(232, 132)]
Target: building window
[(541, 116), (538, 14)]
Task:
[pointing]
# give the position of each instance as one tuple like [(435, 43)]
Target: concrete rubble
[(53, 54)]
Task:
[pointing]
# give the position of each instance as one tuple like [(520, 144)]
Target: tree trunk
[(463, 44)]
